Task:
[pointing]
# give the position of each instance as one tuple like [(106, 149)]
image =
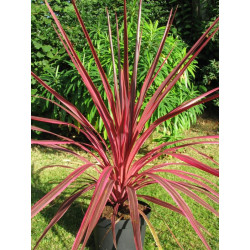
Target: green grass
[(62, 235)]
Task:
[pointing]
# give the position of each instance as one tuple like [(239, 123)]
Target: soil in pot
[(123, 229)]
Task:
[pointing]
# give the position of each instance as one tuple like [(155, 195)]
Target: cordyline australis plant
[(120, 174)]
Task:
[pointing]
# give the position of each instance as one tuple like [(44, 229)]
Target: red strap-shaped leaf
[(135, 218), (62, 210), (193, 162), (159, 95), (148, 78), (201, 190), (98, 147), (150, 130), (102, 190), (182, 205), (161, 203), (125, 37), (102, 109), (195, 197), (98, 63), (65, 138), (58, 189), (98, 210)]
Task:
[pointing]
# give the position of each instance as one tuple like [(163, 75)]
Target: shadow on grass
[(70, 221)]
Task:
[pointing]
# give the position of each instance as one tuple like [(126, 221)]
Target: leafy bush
[(210, 77), (63, 78), (192, 19)]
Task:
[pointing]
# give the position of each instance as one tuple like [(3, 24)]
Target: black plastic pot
[(123, 230)]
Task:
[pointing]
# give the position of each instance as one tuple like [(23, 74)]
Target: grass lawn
[(62, 235)]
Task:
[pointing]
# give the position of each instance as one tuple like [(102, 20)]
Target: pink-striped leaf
[(158, 148), (134, 75), (135, 218), (113, 220), (102, 109), (125, 39), (91, 135), (53, 145), (182, 205), (146, 83), (161, 203), (204, 155), (36, 208), (100, 69), (137, 166), (186, 177), (90, 132), (116, 88), (158, 92), (193, 162), (53, 166), (119, 62), (195, 197), (159, 95), (98, 210), (201, 190), (60, 148), (49, 142), (62, 210), (69, 105), (194, 175), (98, 149), (102, 190), (150, 130)]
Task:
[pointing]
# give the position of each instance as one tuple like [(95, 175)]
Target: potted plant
[(120, 174)]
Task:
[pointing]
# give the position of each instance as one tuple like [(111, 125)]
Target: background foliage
[(49, 59), (192, 19)]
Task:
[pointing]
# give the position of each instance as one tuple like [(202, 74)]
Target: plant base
[(124, 233)]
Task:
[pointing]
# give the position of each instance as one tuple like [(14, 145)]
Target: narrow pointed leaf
[(195, 197), (151, 229), (125, 37), (101, 71), (62, 210), (113, 221), (98, 193), (135, 219), (192, 161), (182, 205), (114, 68), (161, 203), (58, 190), (98, 210)]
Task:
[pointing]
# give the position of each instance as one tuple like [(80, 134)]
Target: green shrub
[(63, 77)]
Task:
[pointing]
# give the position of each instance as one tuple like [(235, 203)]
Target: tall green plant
[(192, 19), (66, 82)]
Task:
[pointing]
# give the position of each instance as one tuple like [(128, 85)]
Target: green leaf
[(203, 88), (46, 48), (50, 55), (37, 45), (33, 91), (39, 55)]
